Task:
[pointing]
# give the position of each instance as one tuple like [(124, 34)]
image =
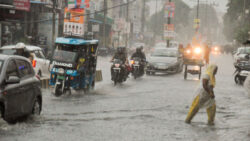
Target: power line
[(100, 11)]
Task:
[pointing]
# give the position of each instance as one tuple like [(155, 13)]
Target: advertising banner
[(78, 4), (74, 22), (169, 27), (169, 9), (169, 34), (22, 5)]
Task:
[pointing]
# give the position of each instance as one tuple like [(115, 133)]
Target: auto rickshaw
[(193, 57), (74, 65)]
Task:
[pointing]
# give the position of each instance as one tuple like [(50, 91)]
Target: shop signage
[(95, 28), (78, 4), (74, 22), (23, 5)]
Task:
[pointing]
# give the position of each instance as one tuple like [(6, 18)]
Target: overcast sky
[(222, 4)]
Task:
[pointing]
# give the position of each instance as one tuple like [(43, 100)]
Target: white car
[(40, 63), (241, 54)]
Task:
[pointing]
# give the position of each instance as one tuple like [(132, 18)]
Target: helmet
[(20, 46), (119, 49), (139, 49)]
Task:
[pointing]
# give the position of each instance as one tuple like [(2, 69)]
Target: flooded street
[(152, 108)]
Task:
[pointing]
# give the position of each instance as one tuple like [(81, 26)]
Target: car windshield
[(7, 51), (65, 56), (244, 51), (164, 53)]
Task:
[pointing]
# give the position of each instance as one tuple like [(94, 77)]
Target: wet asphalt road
[(152, 108)]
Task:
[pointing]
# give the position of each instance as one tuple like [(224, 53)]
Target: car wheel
[(1, 112), (185, 73), (36, 107)]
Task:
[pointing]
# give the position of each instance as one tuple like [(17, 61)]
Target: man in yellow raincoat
[(205, 97)]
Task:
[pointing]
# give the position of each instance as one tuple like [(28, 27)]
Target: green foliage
[(236, 21), (242, 34), (157, 20)]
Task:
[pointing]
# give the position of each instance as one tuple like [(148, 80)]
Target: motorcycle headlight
[(61, 71)]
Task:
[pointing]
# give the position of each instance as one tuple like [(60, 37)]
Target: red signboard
[(22, 5)]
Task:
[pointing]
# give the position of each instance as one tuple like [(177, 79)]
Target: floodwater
[(152, 108)]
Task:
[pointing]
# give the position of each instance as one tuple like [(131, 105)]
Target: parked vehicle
[(242, 71), (137, 67), (118, 71), (74, 65), (20, 93), (166, 60), (240, 54), (40, 63)]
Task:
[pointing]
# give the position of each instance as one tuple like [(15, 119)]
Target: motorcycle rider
[(140, 54), (121, 55)]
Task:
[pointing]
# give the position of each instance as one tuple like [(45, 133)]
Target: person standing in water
[(205, 97)]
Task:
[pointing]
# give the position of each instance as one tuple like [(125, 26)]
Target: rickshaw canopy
[(75, 41)]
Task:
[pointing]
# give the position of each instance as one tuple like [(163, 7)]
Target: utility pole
[(104, 21), (143, 16), (53, 21), (127, 18), (169, 22), (197, 16), (156, 12)]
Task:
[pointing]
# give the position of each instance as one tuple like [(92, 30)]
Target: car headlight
[(61, 71)]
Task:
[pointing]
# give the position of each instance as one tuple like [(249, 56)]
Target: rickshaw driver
[(81, 66)]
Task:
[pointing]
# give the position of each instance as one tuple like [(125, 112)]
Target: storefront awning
[(95, 21), (6, 6), (100, 17), (38, 2)]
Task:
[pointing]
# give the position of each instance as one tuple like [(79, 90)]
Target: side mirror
[(12, 80)]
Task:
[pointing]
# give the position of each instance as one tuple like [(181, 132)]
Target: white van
[(40, 63)]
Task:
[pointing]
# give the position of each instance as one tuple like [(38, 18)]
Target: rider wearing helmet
[(21, 50), (139, 53), (121, 54)]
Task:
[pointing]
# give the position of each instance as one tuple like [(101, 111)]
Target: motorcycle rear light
[(71, 78), (34, 63), (53, 76), (132, 62)]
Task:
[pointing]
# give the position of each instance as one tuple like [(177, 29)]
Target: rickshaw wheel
[(185, 73), (58, 92), (200, 73)]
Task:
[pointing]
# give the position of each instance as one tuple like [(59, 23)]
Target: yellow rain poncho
[(203, 99)]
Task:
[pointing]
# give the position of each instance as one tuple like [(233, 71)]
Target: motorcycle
[(241, 72), (136, 67), (117, 72), (60, 86)]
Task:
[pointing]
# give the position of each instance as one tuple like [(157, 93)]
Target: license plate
[(162, 67), (60, 77)]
